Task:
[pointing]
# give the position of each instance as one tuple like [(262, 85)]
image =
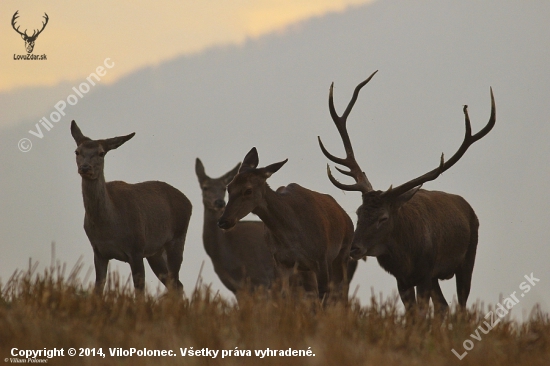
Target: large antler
[(468, 141), (362, 183)]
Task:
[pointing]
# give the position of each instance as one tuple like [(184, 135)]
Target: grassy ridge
[(47, 310)]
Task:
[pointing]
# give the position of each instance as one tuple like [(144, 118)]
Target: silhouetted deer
[(307, 230), (416, 235), (29, 40), (129, 222), (240, 256)]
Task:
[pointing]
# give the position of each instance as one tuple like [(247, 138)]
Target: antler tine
[(345, 187), (468, 138), (351, 102), (443, 166), (362, 183), (345, 172), (331, 157)]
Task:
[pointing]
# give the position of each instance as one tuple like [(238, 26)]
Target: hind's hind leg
[(159, 266), (174, 257), (340, 280)]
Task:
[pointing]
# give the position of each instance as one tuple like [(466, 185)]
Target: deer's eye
[(76, 153), (248, 192), (381, 221), (102, 154)]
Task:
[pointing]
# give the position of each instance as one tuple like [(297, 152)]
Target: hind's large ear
[(250, 161), (199, 170), (114, 142), (78, 136), (273, 168)]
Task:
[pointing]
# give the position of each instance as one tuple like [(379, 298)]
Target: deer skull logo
[(29, 40)]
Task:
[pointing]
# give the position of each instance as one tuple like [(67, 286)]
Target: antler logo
[(29, 40)]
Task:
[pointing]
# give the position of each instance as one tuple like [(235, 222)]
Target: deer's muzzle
[(225, 224), (219, 203)]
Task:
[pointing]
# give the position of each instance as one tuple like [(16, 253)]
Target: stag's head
[(213, 189), (247, 190), (379, 209), (29, 40), (90, 154), (375, 222)]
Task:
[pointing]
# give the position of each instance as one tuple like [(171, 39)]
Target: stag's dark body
[(432, 236), (418, 236)]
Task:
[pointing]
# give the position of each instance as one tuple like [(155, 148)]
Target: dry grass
[(47, 310)]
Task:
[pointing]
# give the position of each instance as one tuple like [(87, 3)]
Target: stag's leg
[(407, 295), (464, 272), (138, 274), (352, 266), (100, 265), (440, 303), (174, 257), (463, 283), (158, 264), (423, 294), (323, 279)]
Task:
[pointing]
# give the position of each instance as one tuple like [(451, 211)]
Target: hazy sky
[(80, 34), (213, 81)]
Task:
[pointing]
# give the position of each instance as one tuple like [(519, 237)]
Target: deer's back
[(155, 205), (320, 217), (309, 205)]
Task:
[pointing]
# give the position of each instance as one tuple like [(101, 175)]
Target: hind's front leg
[(100, 265)]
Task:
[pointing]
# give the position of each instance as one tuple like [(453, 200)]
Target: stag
[(418, 236), (29, 40), (307, 230), (240, 256), (129, 222)]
